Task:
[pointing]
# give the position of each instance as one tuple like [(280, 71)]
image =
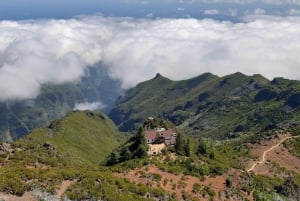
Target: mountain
[(65, 161), (81, 136), (65, 158), (19, 117), (212, 106)]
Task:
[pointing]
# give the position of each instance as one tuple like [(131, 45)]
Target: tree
[(135, 147), (140, 145), (179, 146), (138, 139), (125, 153), (141, 152), (202, 148), (113, 158), (206, 149), (187, 148)]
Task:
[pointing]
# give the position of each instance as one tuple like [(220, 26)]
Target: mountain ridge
[(215, 106)]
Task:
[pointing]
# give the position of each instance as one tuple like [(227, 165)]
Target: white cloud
[(184, 48), (259, 11), (89, 106), (33, 53), (211, 12)]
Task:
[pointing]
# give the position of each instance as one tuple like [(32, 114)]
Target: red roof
[(157, 135), (151, 134)]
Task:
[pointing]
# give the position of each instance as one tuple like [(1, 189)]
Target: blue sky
[(217, 9)]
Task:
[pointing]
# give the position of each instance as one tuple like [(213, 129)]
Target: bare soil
[(177, 184), (62, 188), (28, 196), (272, 157)]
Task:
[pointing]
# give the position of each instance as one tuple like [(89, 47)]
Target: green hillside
[(75, 149), (86, 137), (207, 105), (153, 97), (70, 150)]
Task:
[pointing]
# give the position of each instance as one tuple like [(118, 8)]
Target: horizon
[(187, 39), (229, 10)]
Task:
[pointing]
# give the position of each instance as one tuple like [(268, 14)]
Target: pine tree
[(140, 144), (179, 146), (135, 147), (187, 148), (138, 139), (113, 158), (125, 154)]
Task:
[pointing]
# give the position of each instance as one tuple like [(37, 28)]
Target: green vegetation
[(45, 157), (152, 123), (182, 145), (85, 137), (297, 179), (267, 196), (294, 144), (211, 161), (214, 107), (135, 147), (73, 148), (217, 118), (106, 186)]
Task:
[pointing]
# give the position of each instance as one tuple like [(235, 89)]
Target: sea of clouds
[(37, 52)]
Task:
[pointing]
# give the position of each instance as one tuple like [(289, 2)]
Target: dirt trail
[(62, 188), (263, 158)]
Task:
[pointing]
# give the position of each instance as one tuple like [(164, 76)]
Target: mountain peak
[(236, 75), (158, 75), (158, 78)]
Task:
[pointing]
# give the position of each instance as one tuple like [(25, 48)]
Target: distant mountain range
[(207, 105), (212, 106)]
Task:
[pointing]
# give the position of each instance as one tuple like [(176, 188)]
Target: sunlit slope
[(85, 137)]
